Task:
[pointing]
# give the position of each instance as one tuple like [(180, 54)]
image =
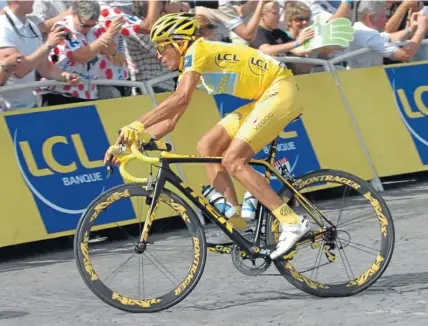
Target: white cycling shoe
[(290, 234)]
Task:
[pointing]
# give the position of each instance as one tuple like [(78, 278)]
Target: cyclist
[(229, 69)]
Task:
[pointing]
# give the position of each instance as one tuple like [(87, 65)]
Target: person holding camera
[(19, 35), (8, 65), (78, 53), (229, 15)]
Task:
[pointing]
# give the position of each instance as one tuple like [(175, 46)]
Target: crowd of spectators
[(80, 41)]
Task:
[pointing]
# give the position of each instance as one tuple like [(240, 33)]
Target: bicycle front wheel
[(132, 275), (349, 259)]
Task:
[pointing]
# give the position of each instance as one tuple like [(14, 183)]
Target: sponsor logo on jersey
[(258, 66), (268, 96), (262, 122), (188, 61), (226, 60)]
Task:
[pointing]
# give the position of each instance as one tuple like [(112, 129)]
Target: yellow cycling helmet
[(174, 27)]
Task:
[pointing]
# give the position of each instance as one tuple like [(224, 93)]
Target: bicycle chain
[(305, 271)]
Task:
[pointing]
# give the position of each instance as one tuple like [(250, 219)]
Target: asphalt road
[(46, 289)]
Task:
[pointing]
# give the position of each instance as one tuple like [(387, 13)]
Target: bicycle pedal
[(315, 245), (291, 254)]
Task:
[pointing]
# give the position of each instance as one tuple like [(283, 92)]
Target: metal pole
[(376, 182)]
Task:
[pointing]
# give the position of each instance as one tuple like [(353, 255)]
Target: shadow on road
[(396, 283), (400, 283), (249, 298)]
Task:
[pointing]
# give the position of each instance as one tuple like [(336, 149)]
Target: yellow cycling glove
[(132, 131), (135, 132)]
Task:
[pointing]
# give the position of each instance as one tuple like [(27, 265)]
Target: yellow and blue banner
[(390, 106), (410, 88), (60, 154), (52, 158)]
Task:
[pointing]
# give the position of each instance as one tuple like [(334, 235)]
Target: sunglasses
[(210, 26), (160, 48), (86, 25), (302, 18)]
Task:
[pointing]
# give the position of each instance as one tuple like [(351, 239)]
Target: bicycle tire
[(366, 279), (114, 299)]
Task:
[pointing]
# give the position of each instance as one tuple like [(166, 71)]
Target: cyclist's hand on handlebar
[(130, 133), (115, 153), (133, 133)]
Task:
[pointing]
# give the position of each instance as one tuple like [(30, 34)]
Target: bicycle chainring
[(248, 266)]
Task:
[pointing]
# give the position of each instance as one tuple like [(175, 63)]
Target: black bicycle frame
[(165, 174)]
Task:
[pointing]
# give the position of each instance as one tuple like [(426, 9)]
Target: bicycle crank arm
[(227, 249)]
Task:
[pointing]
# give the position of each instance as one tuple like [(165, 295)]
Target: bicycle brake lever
[(110, 170)]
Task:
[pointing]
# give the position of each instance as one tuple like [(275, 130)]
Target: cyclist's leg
[(278, 106), (215, 142)]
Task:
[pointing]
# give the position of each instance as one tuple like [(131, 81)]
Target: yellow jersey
[(233, 69)]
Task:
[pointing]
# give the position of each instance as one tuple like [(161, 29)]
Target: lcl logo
[(257, 66)]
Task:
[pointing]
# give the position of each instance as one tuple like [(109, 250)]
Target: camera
[(207, 4), (67, 35)]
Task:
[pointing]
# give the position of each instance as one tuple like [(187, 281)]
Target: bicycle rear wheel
[(345, 200), (132, 275)]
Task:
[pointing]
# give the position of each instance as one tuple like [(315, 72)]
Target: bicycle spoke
[(142, 266), (171, 249), (116, 271), (347, 223), (343, 198), (139, 276), (126, 233), (356, 245), (343, 260), (352, 208), (317, 261), (147, 252)]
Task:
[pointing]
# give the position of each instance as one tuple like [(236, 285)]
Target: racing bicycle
[(319, 264)]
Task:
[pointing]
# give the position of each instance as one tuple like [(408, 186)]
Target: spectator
[(297, 17), (274, 41), (79, 53), (124, 6), (46, 13), (9, 65), (245, 10), (227, 15), (111, 63), (369, 34), (18, 34), (207, 30), (154, 9), (141, 55), (322, 8), (398, 15)]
